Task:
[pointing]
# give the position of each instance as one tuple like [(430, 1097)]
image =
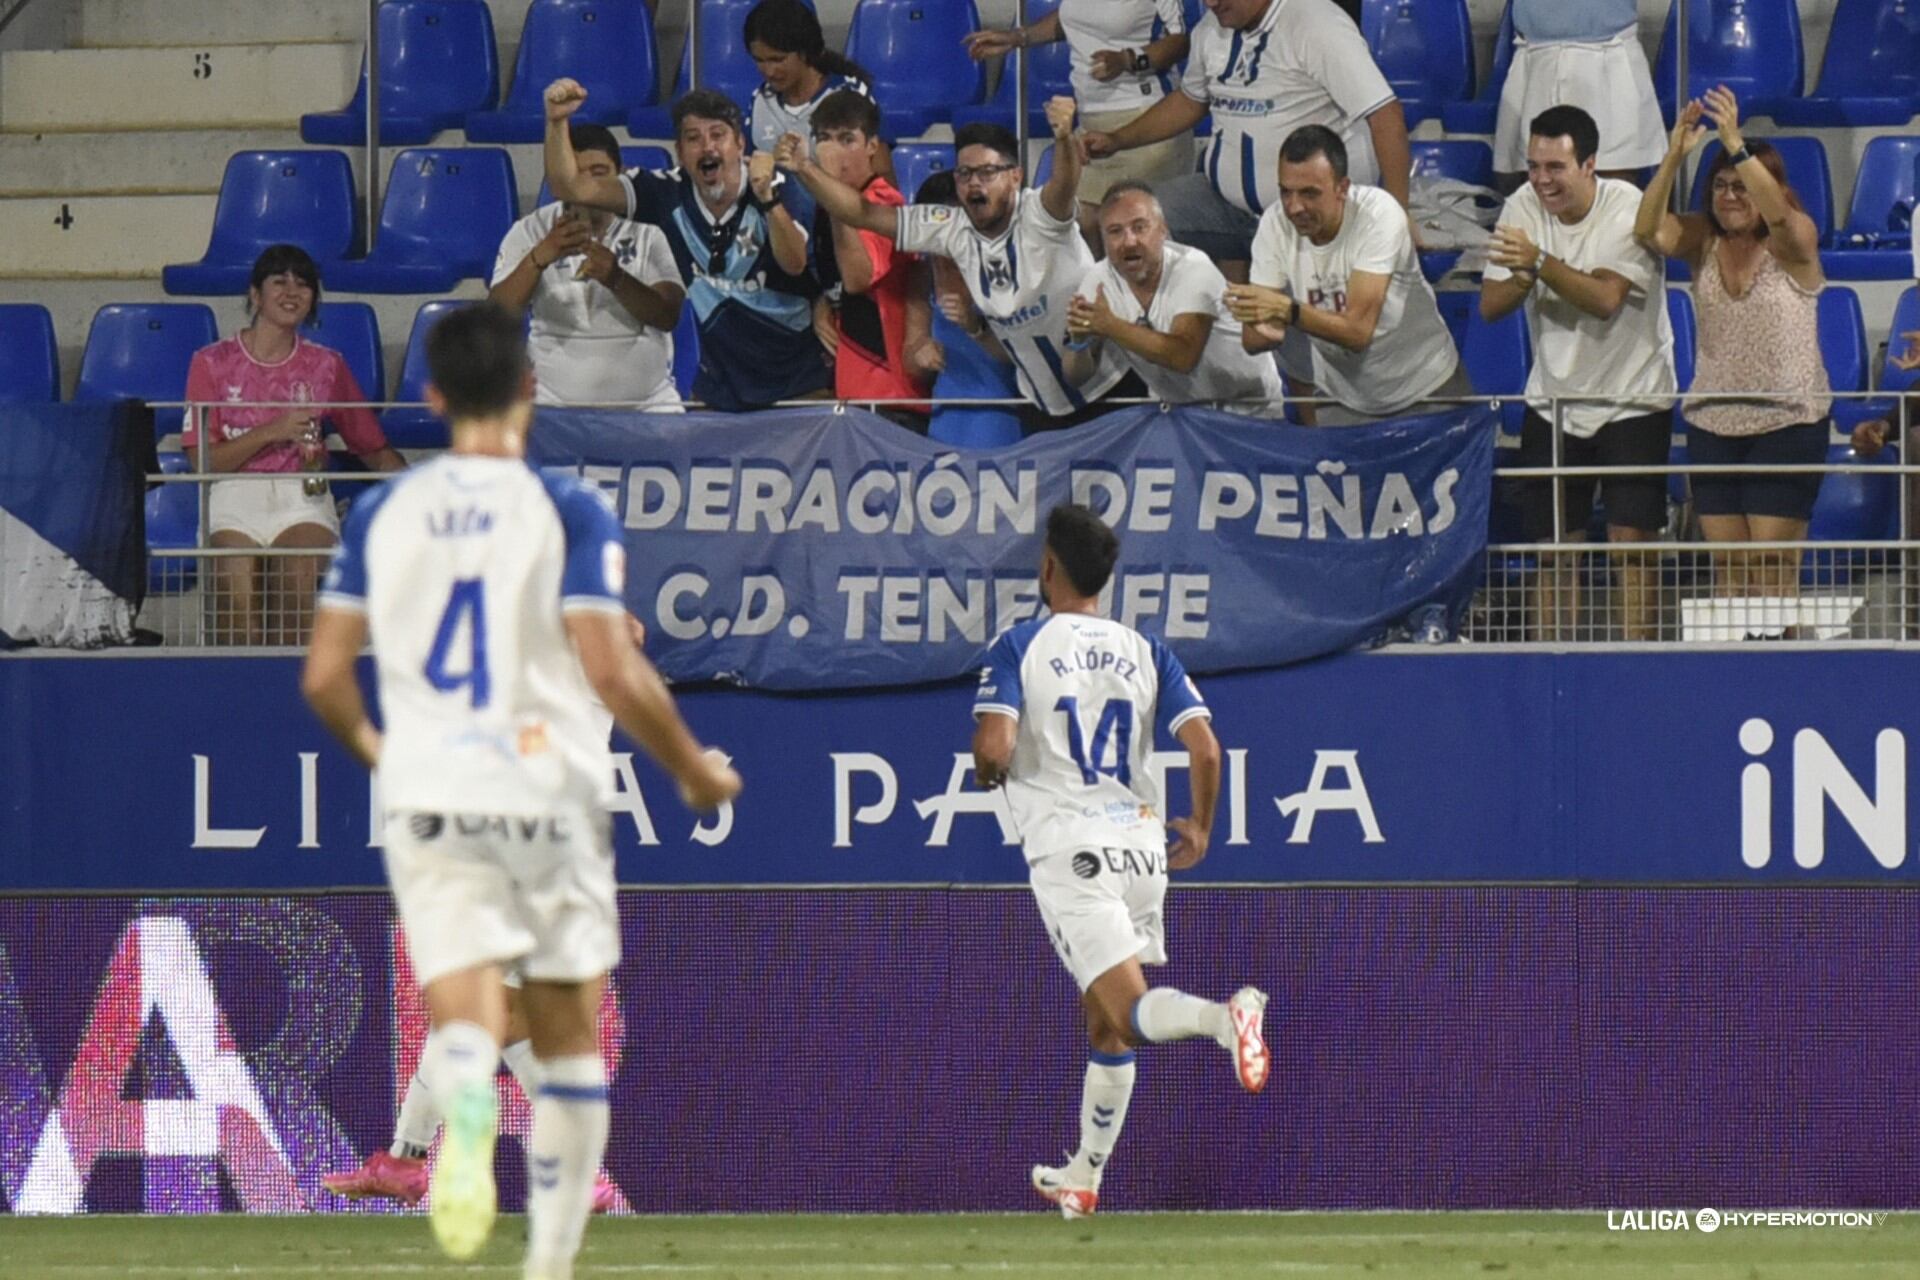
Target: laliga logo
[(1818, 775)]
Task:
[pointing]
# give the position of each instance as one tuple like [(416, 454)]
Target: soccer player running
[(492, 596), (1066, 709)]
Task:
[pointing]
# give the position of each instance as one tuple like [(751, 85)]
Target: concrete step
[(163, 163), (115, 24), (73, 302), (258, 86), (90, 236)]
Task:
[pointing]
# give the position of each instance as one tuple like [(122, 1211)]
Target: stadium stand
[(1050, 75), (272, 197), (913, 51), (1498, 355), (441, 221), (1686, 335), (1425, 50), (1481, 113), (438, 65), (647, 157), (140, 351), (409, 427), (725, 64), (29, 360), (607, 45), (1754, 47), (686, 352), (1871, 73), (1843, 339)]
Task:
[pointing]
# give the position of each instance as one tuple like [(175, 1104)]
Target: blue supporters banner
[(73, 552), (820, 548)]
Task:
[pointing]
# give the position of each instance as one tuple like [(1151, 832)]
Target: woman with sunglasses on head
[(253, 391), (1755, 256)]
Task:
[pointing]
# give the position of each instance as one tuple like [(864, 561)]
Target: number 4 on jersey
[(468, 602), (1115, 729)]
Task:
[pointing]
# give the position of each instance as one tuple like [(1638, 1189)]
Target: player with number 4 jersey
[(492, 596), (1066, 713)]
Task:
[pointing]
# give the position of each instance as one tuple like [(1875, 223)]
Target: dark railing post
[(373, 122)]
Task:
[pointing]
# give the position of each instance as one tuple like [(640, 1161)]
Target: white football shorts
[(1101, 906), (534, 895)]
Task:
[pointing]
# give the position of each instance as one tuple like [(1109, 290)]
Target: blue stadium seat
[(352, 329), (630, 157), (173, 524), (1843, 339), (417, 428), (1043, 168), (441, 221), (686, 352), (1906, 319), (607, 45), (1874, 243), (272, 197), (438, 64), (1498, 356), (915, 162), (1051, 74), (29, 357), (1751, 46), (1463, 161), (141, 350), (1455, 306), (1483, 112), (1855, 506), (1871, 72), (725, 65), (920, 70), (1686, 335), (1425, 49)]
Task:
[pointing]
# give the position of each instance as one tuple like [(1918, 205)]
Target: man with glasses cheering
[(1020, 252)]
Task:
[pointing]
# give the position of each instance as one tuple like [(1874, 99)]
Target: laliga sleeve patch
[(613, 563)]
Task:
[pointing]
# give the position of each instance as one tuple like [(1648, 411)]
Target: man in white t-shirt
[(1019, 251), (1163, 306), (1334, 264), (1596, 303), (1264, 68), (605, 294)]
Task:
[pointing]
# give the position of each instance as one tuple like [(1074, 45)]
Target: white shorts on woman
[(1607, 79)]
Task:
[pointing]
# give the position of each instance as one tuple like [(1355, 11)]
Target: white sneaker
[(1074, 1202), (1248, 1009), (462, 1194)]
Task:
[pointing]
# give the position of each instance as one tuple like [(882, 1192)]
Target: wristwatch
[(1142, 63)]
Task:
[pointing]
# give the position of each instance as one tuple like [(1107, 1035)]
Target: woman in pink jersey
[(269, 599)]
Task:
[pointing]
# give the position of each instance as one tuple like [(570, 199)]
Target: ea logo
[(1086, 865), (1707, 1220)]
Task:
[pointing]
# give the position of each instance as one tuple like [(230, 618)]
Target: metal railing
[(1674, 589)]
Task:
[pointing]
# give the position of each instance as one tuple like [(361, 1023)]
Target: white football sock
[(525, 1067), (563, 1156), (1165, 1014), (1103, 1110), (458, 1056), (419, 1118)]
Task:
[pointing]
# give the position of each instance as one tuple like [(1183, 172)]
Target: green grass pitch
[(1111, 1247)]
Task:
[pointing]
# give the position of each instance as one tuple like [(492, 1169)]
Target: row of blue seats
[(446, 209), (141, 351), (440, 65)]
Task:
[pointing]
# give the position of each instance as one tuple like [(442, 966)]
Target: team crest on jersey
[(626, 251), (999, 274), (234, 394)]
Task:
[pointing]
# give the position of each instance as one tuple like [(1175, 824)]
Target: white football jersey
[(1022, 280), (1123, 26), (1089, 694), (1304, 62), (1191, 285), (464, 568)]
